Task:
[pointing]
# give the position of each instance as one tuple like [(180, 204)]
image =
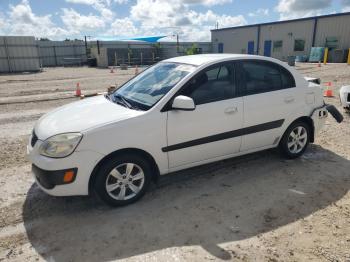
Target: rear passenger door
[(269, 95)]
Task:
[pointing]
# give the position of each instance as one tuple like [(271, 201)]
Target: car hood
[(82, 115)]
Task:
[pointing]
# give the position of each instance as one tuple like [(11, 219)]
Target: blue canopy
[(150, 39)]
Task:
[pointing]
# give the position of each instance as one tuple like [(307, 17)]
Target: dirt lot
[(253, 208)]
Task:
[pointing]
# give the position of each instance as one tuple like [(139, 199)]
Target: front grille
[(34, 139), (349, 97)]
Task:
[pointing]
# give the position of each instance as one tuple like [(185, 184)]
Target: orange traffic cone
[(328, 92), (112, 69), (78, 90), (328, 84), (136, 70)]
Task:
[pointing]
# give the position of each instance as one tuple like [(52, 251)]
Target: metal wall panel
[(334, 27), (138, 56), (124, 44), (235, 40), (4, 62), (151, 52), (53, 53), (18, 54), (170, 49), (101, 57), (288, 33)]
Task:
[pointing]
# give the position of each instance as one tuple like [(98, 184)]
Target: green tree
[(192, 50)]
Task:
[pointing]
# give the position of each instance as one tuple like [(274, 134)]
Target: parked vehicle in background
[(345, 97), (180, 113)]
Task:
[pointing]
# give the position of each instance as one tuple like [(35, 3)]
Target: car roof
[(203, 59)]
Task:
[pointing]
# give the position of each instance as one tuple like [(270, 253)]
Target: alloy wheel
[(297, 139), (125, 181)]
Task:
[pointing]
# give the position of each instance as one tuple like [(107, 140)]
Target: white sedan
[(180, 113)]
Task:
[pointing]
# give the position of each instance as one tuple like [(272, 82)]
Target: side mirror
[(184, 103)]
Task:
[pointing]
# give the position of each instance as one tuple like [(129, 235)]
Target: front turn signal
[(68, 176)]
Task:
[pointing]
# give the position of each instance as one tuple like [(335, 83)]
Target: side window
[(277, 46), (299, 45), (211, 85), (261, 77), (332, 42), (213, 74), (223, 73), (218, 73)]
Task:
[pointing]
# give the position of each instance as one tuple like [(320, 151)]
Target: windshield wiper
[(120, 101), (125, 102), (110, 97)]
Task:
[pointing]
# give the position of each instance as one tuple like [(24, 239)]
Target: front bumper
[(49, 179), (48, 172)]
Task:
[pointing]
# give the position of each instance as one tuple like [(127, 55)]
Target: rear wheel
[(123, 180), (295, 140)]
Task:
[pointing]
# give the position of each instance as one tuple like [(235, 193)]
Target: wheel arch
[(308, 120), (137, 151)]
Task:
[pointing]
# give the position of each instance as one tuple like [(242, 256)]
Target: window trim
[(167, 106), (241, 82)]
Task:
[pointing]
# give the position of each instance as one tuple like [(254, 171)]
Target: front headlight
[(60, 145)]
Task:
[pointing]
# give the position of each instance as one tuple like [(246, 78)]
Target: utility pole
[(177, 43), (85, 45)]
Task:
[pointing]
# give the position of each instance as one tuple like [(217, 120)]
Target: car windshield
[(145, 90)]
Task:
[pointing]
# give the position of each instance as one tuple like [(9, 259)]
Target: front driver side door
[(209, 131)]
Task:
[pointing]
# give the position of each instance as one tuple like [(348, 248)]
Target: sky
[(192, 20)]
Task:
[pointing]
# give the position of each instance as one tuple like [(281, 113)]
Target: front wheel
[(123, 180), (295, 140)]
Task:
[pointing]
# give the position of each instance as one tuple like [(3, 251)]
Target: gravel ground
[(258, 207)]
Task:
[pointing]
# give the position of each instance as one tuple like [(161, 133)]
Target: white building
[(287, 38)]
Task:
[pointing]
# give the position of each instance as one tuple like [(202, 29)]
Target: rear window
[(287, 79)]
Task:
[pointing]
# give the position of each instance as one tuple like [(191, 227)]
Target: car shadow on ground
[(207, 206)]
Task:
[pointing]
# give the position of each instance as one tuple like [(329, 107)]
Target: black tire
[(283, 145), (335, 113), (101, 182)]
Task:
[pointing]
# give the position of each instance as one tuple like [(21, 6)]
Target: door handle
[(289, 99), (231, 110)]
